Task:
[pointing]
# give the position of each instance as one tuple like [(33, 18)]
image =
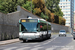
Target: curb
[(9, 42)]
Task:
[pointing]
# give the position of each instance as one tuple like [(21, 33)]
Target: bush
[(43, 16), (62, 21), (54, 18), (48, 13), (28, 6), (37, 11)]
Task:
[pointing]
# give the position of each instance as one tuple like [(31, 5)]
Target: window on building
[(64, 3), (67, 20), (67, 0), (67, 12), (63, 6), (67, 9), (68, 3), (60, 3), (63, 0)]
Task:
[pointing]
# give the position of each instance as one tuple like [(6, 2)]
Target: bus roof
[(40, 20)]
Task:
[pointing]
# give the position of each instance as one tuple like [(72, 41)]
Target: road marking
[(49, 41), (10, 48), (49, 48), (37, 48), (65, 49), (37, 45), (46, 42), (24, 48)]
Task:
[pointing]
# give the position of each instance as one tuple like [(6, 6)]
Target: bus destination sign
[(29, 20)]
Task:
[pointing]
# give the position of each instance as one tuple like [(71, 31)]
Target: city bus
[(34, 29)]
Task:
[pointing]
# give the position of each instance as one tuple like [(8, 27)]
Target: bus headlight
[(37, 36), (20, 33)]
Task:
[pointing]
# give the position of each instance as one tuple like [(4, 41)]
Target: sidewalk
[(9, 41)]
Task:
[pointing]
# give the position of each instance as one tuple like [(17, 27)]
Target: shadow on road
[(34, 41)]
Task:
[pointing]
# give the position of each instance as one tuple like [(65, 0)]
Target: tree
[(56, 19), (62, 21), (58, 11), (48, 13), (53, 6), (44, 16), (39, 4), (28, 6), (37, 11), (52, 17), (8, 6), (40, 9)]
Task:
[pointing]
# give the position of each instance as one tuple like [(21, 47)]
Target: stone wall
[(57, 27)]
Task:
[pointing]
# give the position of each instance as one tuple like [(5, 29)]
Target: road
[(55, 43)]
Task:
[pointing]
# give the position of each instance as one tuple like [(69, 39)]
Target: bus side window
[(43, 27), (49, 27)]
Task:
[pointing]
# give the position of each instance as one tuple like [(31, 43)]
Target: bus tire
[(24, 40), (41, 38), (49, 37)]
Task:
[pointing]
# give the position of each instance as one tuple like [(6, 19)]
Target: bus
[(34, 29)]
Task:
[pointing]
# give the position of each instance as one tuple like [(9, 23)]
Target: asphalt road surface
[(55, 43)]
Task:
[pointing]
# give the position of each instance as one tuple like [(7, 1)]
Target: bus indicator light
[(40, 26)]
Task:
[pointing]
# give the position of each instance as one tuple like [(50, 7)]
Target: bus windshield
[(29, 26)]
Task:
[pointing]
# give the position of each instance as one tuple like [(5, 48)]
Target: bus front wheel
[(24, 40), (49, 37)]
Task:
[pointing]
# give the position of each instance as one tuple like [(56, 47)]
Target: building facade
[(67, 7)]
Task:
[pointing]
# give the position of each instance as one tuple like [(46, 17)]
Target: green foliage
[(54, 18), (53, 6), (48, 13), (58, 12), (39, 4), (28, 6), (41, 10), (37, 11), (44, 16), (62, 21), (8, 6)]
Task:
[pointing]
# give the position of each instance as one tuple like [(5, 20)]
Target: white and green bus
[(34, 29)]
